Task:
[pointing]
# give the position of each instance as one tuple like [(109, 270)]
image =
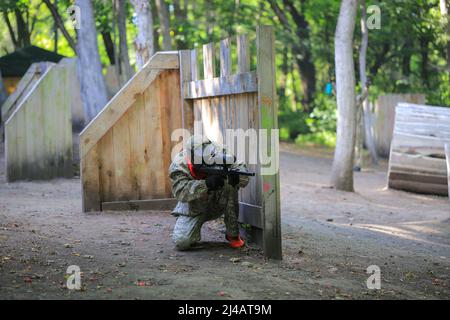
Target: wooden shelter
[(38, 129), (126, 149), (417, 158)]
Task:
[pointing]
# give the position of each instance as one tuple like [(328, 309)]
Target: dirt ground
[(329, 239)]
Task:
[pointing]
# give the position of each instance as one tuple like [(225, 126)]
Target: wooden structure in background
[(245, 99), (417, 159), (125, 150), (384, 114), (26, 83), (38, 133)]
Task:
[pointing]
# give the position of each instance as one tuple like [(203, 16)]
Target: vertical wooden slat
[(12, 157), (225, 57), (121, 147), (90, 179), (187, 113), (164, 105), (107, 168), (153, 116), (194, 65), (447, 158), (208, 61), (268, 119), (243, 52), (138, 149)]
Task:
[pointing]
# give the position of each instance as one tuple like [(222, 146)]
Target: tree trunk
[(126, 71), (92, 83), (164, 22), (144, 39), (342, 170), (109, 46), (365, 120)]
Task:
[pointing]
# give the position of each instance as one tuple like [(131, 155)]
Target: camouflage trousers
[(187, 229)]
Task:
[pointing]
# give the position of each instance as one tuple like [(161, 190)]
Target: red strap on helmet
[(194, 174)]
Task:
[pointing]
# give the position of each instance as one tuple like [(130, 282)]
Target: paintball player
[(203, 197)]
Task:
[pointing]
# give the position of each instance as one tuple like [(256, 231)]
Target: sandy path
[(329, 239)]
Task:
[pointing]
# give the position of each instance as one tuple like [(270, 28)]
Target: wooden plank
[(13, 163), (219, 86), (447, 159), (187, 112), (209, 65), (120, 103), (417, 144), (417, 163), (153, 116), (121, 149), (225, 57), (107, 168), (243, 53), (138, 148), (90, 181), (250, 214), (195, 74), (136, 205), (419, 187), (268, 119), (164, 134)]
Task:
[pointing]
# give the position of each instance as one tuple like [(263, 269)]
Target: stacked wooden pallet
[(417, 159)]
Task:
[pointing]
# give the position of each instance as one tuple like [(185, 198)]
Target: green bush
[(323, 138)]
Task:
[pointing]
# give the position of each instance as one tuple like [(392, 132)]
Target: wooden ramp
[(125, 150), (38, 132), (417, 159)]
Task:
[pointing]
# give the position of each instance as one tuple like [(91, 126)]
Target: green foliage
[(408, 53)]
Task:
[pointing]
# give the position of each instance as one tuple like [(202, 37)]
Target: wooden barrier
[(125, 150), (447, 159), (243, 100), (417, 158), (384, 114), (38, 133)]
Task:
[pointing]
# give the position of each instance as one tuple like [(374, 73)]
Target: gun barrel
[(221, 171)]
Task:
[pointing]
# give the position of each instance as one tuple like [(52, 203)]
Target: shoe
[(235, 242)]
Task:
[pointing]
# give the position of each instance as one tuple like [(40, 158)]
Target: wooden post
[(447, 158), (268, 120), (187, 74)]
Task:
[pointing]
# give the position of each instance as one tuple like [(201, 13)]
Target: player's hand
[(233, 180), (214, 182)]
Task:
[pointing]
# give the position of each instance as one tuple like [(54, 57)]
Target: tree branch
[(10, 29), (60, 25)]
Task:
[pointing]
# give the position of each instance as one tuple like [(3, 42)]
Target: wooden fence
[(417, 158), (125, 150), (38, 132), (245, 99), (384, 114)]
